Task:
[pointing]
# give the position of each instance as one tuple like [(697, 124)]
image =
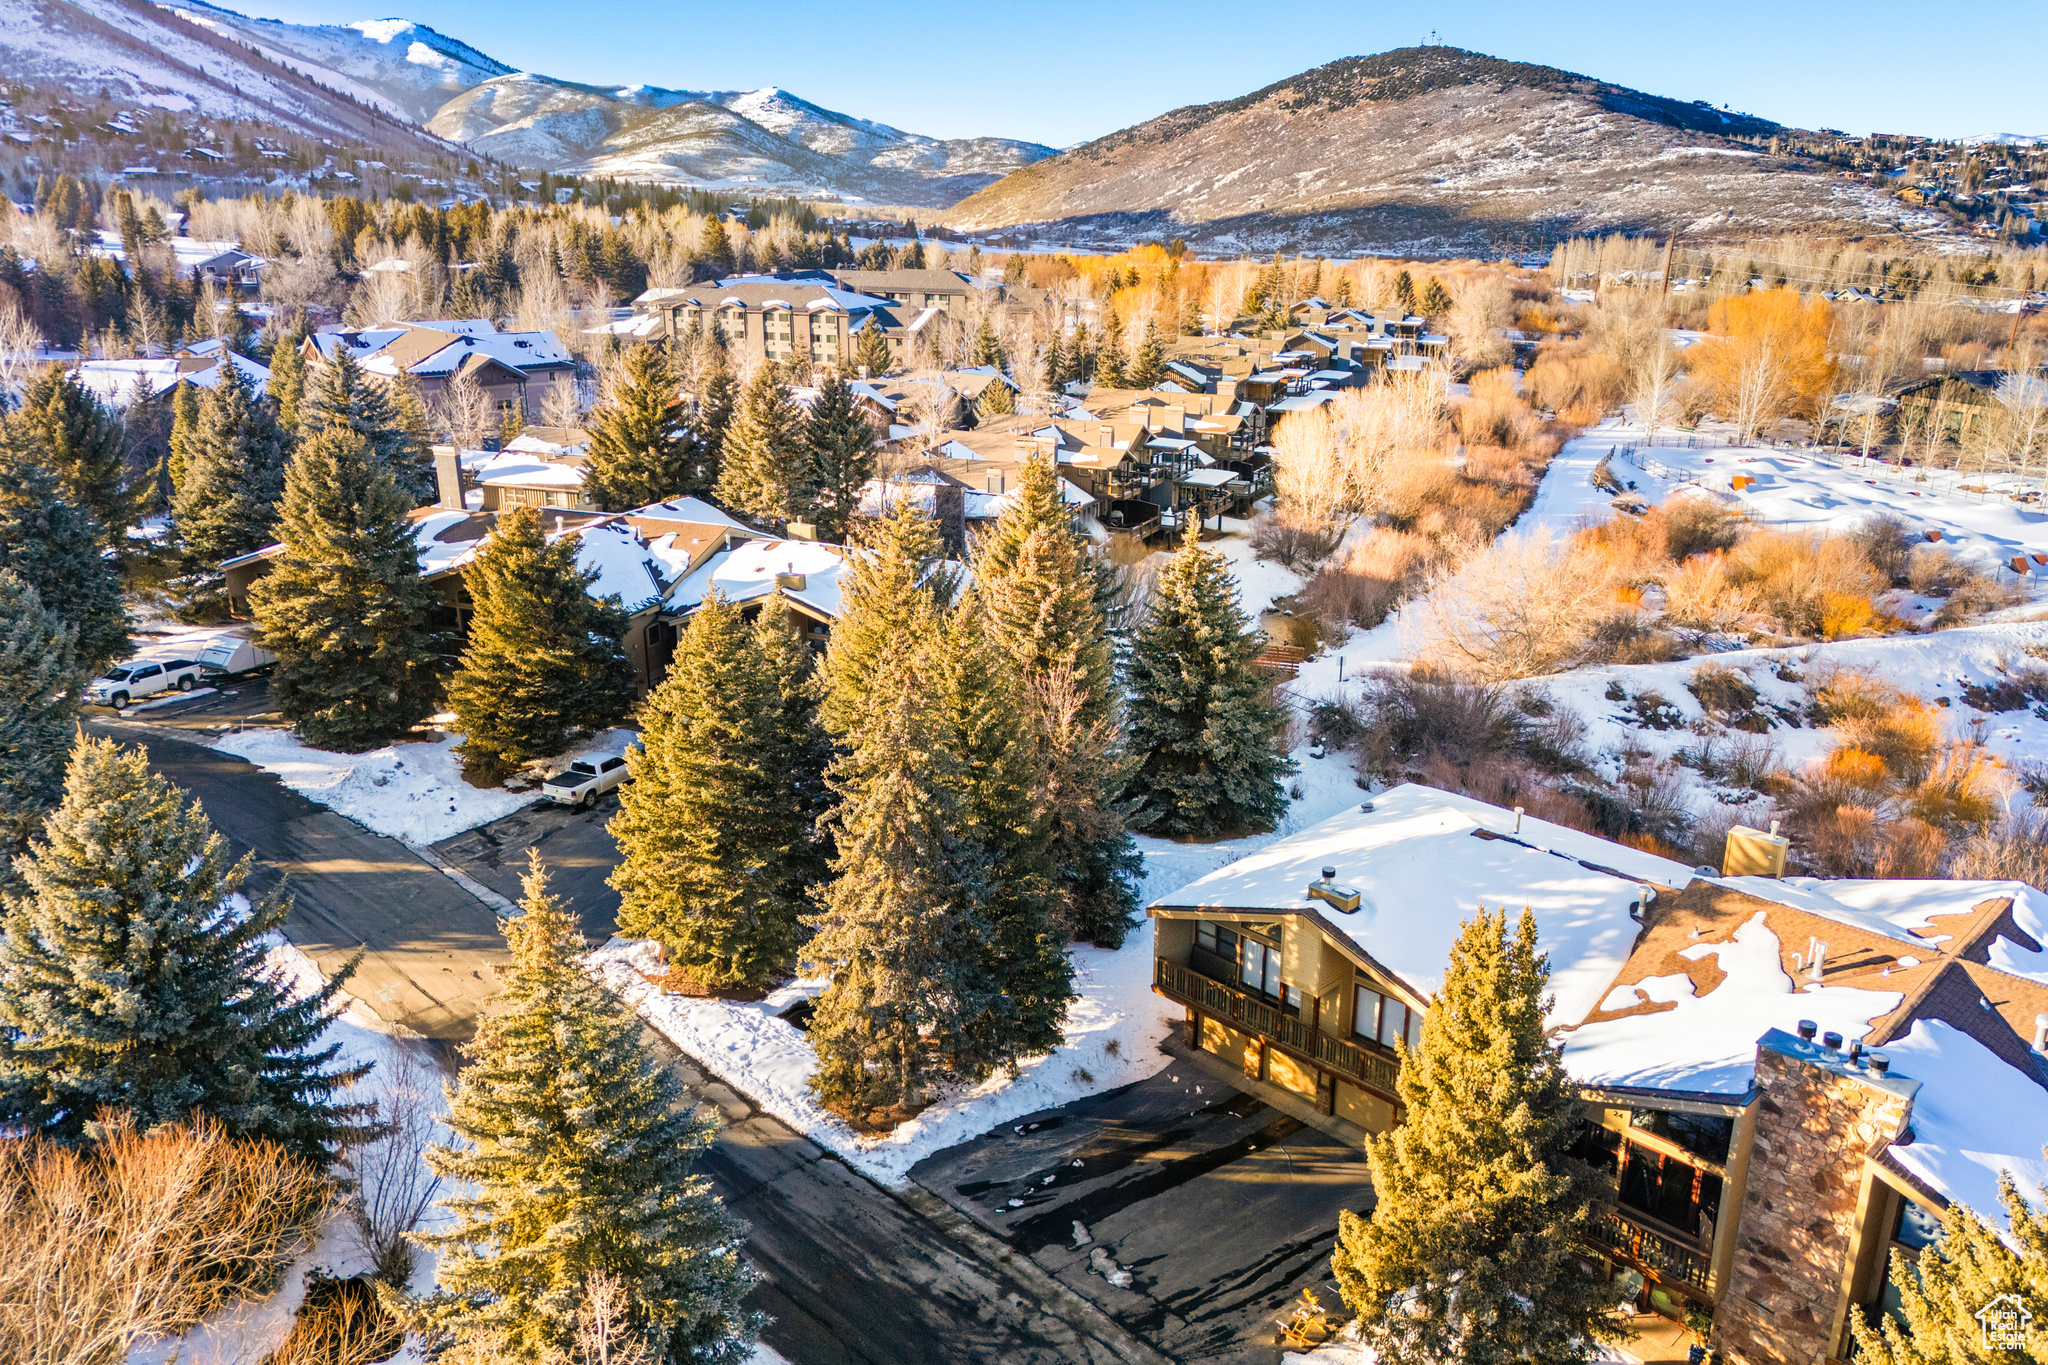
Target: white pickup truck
[(142, 678), (582, 782)]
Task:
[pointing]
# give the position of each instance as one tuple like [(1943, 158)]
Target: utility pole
[(1669, 243)]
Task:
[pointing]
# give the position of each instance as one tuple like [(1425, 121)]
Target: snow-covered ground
[(412, 792)]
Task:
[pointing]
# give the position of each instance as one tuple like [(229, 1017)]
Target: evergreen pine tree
[(226, 504), (1404, 291), (129, 981), (988, 347), (1148, 366), (543, 659), (1047, 595), (55, 546), (1001, 813), (287, 387), (1947, 1286), (184, 421), (1202, 719), (41, 683), (641, 448), (913, 256), (78, 440), (1080, 355), (765, 470), (997, 400), (577, 1160), (339, 395), (1053, 367), (842, 456), (871, 352), (893, 589), (343, 608), (1471, 1253), (1435, 300), (717, 830), (1109, 354), (717, 245)]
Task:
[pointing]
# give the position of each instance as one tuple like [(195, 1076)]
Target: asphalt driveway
[(1219, 1208)]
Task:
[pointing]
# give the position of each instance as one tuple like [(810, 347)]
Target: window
[(1260, 966), (1384, 1020), (1670, 1190), (611, 764), (1704, 1135)]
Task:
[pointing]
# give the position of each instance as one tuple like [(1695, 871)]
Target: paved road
[(578, 850), (852, 1276), (429, 946)]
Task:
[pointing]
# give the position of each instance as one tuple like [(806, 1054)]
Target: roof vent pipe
[(2041, 1033), (1880, 1063), (1518, 819), (1831, 1040), (1807, 1028)]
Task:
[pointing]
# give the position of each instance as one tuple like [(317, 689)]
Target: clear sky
[(1064, 71)]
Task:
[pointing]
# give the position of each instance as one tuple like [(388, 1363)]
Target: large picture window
[(1384, 1020), (1238, 958)]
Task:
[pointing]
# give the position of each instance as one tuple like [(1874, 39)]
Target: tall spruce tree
[(340, 396), (905, 930), (842, 456), (130, 979), (1202, 719), (1944, 1289), (287, 387), (1435, 300), (717, 832), (55, 545), (41, 683), (543, 659), (871, 352), (184, 422), (577, 1160), (81, 442), (765, 469), (1109, 354), (1471, 1255), (641, 447), (226, 503), (714, 414), (1002, 782), (997, 400), (343, 608), (1148, 365), (1048, 596), (988, 347), (1052, 367)]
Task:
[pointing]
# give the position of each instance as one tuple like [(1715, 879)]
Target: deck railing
[(1250, 1014), (1668, 1256)]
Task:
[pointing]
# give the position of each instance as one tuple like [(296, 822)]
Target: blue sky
[(1063, 71)]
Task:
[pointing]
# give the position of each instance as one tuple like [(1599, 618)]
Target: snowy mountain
[(188, 54), (156, 57), (404, 68), (1428, 151), (749, 141), (2008, 140)]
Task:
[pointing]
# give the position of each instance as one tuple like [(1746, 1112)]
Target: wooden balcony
[(1664, 1256), (1251, 1014)]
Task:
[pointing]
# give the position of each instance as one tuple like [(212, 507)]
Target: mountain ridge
[(1428, 150)]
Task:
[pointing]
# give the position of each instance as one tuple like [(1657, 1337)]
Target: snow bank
[(413, 792)]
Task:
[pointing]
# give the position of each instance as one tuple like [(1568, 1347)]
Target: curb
[(504, 908)]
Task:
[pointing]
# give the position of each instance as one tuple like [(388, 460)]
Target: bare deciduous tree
[(1654, 389), (394, 1187), (19, 344), (1521, 609), (467, 412)]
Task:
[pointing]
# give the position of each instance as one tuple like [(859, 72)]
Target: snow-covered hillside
[(404, 68)]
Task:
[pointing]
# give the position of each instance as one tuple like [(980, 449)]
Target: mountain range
[(1423, 151), (1427, 151)]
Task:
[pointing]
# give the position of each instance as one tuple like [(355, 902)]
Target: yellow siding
[(1289, 1074), (1223, 1041), (1368, 1111)]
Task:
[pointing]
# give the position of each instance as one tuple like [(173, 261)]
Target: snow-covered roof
[(1972, 1118), (695, 511), (117, 382), (1423, 863), (1905, 911), (527, 471), (624, 568), (747, 572), (1707, 1043)]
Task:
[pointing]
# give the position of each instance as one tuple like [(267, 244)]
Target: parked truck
[(139, 678)]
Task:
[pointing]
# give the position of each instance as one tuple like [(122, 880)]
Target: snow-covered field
[(412, 792)]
